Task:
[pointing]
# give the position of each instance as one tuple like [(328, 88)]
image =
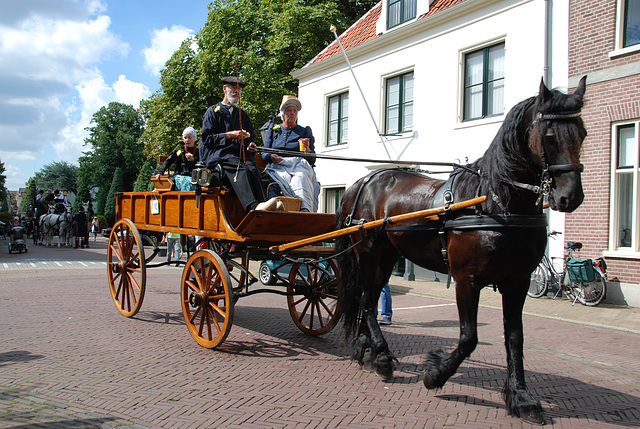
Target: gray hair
[(190, 130)]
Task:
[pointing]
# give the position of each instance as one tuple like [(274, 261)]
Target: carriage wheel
[(207, 298), (126, 267), (315, 307)]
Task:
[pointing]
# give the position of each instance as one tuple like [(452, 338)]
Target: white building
[(437, 83)]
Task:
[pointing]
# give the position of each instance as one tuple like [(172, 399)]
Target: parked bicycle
[(582, 280)]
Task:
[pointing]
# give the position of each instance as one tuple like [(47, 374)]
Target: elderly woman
[(294, 175), (185, 157)]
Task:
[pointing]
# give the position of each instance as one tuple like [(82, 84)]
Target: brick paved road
[(69, 359)]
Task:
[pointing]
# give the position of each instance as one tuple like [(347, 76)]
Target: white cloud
[(93, 94), (164, 43), (130, 92), (50, 84)]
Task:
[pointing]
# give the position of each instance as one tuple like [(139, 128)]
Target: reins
[(285, 153)]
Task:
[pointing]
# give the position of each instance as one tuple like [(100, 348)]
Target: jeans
[(173, 246), (385, 301)]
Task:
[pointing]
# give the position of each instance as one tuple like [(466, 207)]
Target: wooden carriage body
[(218, 215)]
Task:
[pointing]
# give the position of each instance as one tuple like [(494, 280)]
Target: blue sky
[(61, 60)]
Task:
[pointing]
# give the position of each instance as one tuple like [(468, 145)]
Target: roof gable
[(364, 29)]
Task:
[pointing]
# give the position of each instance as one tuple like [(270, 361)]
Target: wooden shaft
[(433, 213)]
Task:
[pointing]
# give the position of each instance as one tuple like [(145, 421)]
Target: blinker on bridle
[(546, 177)]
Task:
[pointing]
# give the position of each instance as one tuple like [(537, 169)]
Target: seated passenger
[(295, 175), (185, 157)]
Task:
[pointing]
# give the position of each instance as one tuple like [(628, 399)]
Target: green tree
[(143, 184), (84, 184), (113, 140), (262, 41), (58, 175), (4, 195), (179, 105), (117, 185), (29, 195), (101, 200)]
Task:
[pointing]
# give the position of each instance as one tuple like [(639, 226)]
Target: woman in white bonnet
[(295, 175)]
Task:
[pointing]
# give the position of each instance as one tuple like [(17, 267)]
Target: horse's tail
[(350, 287)]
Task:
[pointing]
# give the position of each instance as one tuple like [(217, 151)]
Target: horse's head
[(555, 139)]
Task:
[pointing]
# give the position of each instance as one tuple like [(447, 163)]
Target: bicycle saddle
[(573, 245)]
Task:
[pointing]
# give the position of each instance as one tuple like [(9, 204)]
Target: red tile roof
[(364, 29)]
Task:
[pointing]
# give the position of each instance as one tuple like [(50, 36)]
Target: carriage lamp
[(201, 177)]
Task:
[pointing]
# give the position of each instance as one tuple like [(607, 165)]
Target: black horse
[(500, 242)]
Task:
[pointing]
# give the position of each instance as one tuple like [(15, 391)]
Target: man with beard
[(227, 140)]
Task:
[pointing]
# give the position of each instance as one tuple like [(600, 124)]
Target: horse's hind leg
[(519, 400), (442, 365)]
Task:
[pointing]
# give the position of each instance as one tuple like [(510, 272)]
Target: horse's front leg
[(520, 402), (370, 349), (442, 365)]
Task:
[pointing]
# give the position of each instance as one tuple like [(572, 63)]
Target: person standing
[(385, 304), (227, 140), (80, 227), (173, 246), (95, 226)]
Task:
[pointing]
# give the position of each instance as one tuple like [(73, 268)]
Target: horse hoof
[(433, 376), (535, 417)]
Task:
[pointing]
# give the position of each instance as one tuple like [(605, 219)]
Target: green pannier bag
[(581, 270)]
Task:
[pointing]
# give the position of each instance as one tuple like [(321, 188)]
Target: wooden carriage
[(216, 273)]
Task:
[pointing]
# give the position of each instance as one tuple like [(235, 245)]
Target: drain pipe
[(548, 37)]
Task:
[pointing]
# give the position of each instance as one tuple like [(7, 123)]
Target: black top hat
[(232, 80)]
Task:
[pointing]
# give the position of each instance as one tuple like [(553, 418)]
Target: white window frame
[(462, 55), (632, 251), (619, 36), (383, 106), (328, 97), (325, 120), (333, 188)]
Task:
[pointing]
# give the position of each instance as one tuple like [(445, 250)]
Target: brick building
[(604, 44)]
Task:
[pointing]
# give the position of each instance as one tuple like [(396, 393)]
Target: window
[(400, 11), (484, 83), (631, 25), (338, 125), (399, 104), (626, 187), (332, 197)]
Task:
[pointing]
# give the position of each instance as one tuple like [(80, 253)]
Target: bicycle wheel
[(539, 282), (591, 293)]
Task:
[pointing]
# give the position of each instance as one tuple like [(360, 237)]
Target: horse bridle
[(548, 169)]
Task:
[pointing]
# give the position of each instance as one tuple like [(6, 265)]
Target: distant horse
[(500, 242), (66, 230), (51, 224)]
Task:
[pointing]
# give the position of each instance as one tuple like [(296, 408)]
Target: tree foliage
[(113, 137), (143, 184), (117, 185), (262, 41), (57, 175), (3, 190), (29, 196)]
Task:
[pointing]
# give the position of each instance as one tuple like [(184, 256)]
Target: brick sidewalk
[(69, 359)]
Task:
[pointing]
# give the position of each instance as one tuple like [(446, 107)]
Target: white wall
[(434, 53)]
